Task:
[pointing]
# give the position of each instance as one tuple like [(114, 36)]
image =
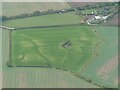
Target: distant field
[(104, 69), (16, 8), (81, 4), (52, 19), (113, 22), (43, 47), (42, 78)]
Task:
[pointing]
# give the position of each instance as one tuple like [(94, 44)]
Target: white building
[(97, 17)]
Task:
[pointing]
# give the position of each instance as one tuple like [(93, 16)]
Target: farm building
[(96, 19)]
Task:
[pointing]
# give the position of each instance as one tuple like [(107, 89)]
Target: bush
[(36, 12), (9, 64), (4, 18)]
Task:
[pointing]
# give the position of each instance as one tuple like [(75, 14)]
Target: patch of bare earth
[(108, 67), (116, 81)]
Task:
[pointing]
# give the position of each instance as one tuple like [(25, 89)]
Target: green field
[(43, 47), (39, 60), (36, 77), (45, 20), (108, 50), (17, 8), (104, 69), (46, 46)]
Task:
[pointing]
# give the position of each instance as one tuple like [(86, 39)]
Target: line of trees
[(4, 18), (98, 5), (36, 13), (51, 11)]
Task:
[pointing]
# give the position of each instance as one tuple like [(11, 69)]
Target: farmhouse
[(97, 17), (96, 20), (63, 11)]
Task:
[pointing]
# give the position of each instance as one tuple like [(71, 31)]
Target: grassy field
[(36, 77), (112, 22), (42, 78), (92, 55), (81, 4), (16, 8), (52, 19), (104, 69), (43, 47)]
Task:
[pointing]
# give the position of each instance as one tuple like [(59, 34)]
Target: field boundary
[(53, 26), (67, 25)]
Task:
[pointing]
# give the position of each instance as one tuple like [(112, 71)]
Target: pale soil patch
[(84, 38), (108, 67), (30, 41), (65, 57), (22, 80), (21, 57), (25, 59), (37, 42), (81, 4), (43, 54), (116, 81), (26, 44)]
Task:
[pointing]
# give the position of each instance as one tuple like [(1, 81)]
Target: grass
[(36, 77), (17, 8), (52, 19), (89, 72), (108, 50), (42, 78), (43, 47)]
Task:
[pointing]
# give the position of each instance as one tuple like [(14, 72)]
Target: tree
[(36, 12), (4, 18), (22, 15), (9, 64)]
